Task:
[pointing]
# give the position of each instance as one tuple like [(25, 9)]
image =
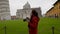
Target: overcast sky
[(18, 4)]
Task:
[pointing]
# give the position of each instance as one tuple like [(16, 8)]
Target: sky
[(45, 5)]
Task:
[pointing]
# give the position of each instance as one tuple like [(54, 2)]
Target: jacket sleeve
[(34, 23)]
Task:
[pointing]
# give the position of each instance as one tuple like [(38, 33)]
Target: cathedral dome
[(26, 6)]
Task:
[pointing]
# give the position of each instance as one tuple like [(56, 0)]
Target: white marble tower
[(4, 10)]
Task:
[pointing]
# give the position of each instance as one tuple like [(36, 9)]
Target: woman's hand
[(27, 19)]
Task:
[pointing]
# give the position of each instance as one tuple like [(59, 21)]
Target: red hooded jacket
[(33, 24)]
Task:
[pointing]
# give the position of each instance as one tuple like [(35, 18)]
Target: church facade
[(26, 11), (4, 10)]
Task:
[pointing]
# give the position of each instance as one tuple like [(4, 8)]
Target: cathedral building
[(26, 11)]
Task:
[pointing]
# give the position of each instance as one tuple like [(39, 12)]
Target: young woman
[(33, 23)]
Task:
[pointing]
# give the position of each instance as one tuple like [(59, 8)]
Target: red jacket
[(33, 24)]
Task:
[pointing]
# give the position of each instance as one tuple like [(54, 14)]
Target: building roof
[(56, 2), (50, 9), (53, 7)]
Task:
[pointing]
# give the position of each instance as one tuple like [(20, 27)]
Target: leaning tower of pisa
[(4, 10)]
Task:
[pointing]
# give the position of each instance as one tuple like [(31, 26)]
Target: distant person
[(33, 22)]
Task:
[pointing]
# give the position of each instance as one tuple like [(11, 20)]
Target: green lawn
[(20, 27)]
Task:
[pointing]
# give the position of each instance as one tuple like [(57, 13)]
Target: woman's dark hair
[(34, 13)]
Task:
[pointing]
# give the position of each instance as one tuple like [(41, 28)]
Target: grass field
[(20, 27)]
